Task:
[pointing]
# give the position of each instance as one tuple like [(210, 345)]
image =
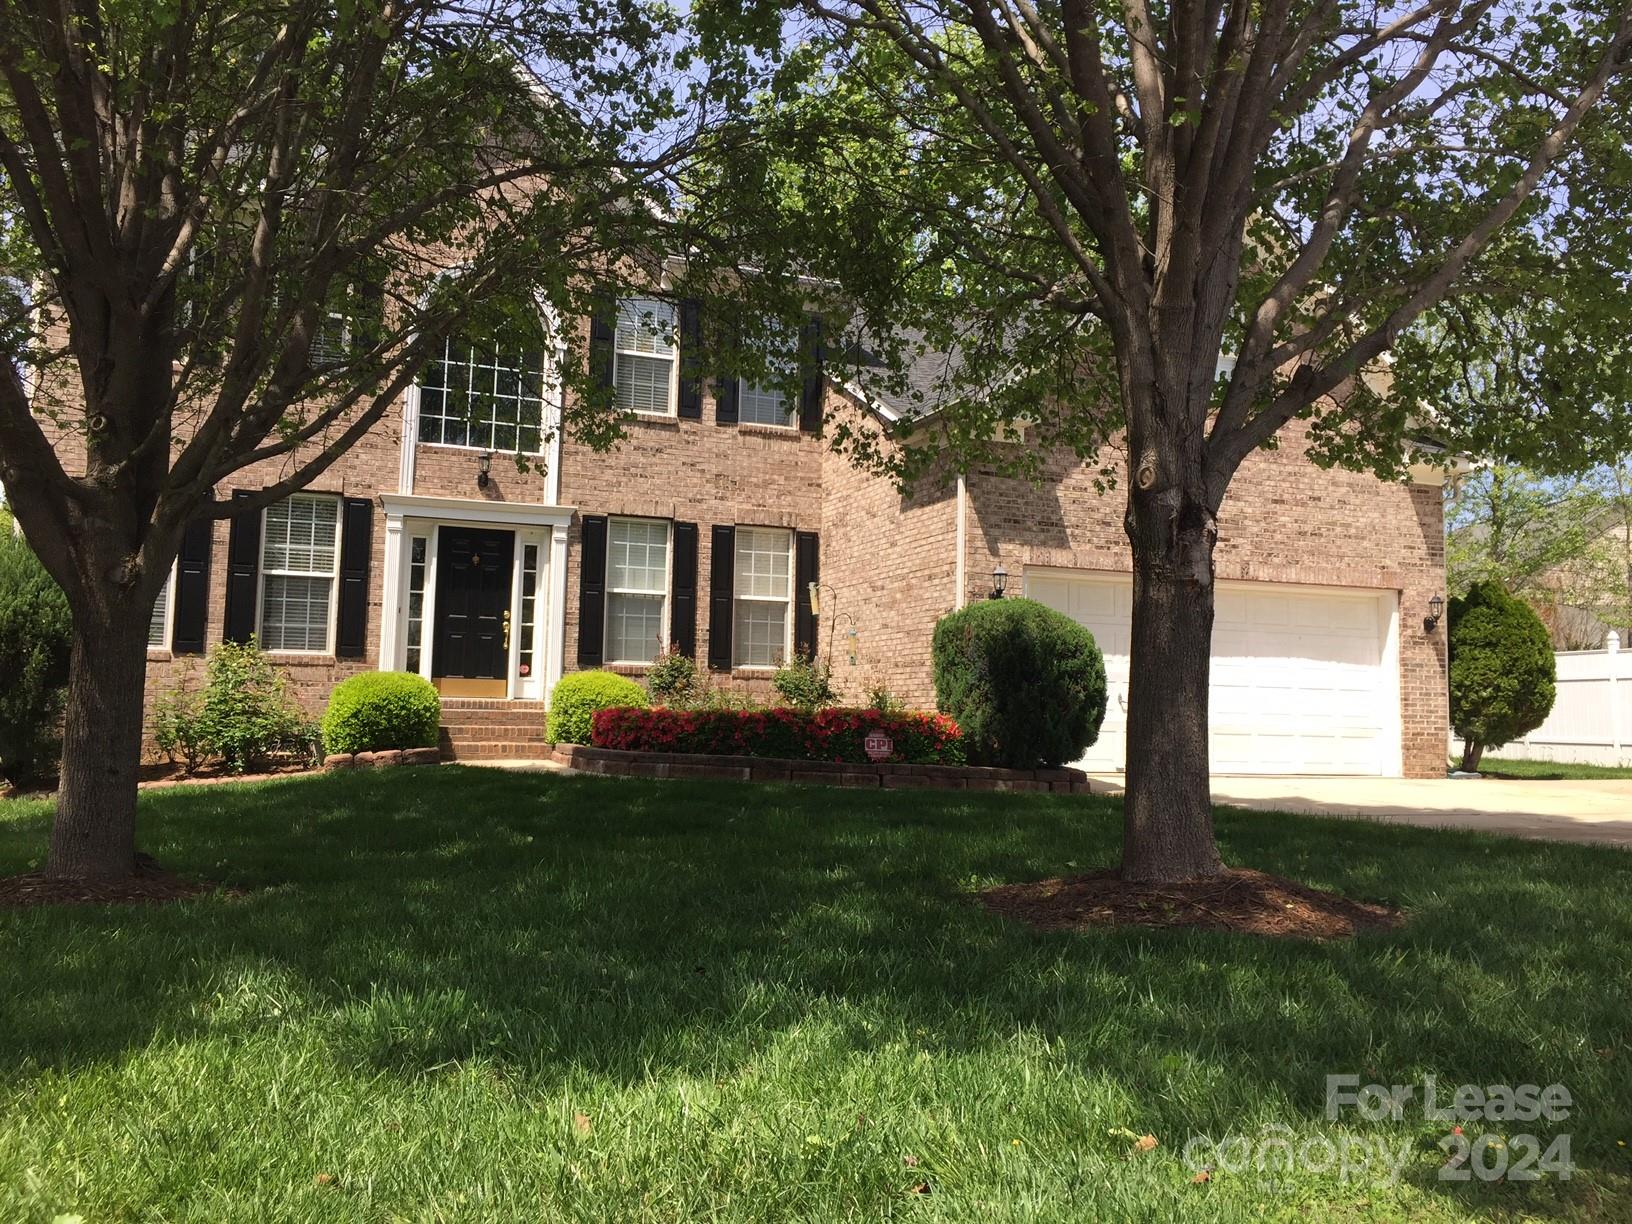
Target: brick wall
[(694, 471)]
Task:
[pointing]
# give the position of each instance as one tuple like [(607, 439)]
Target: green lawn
[(768, 1002), (1553, 771)]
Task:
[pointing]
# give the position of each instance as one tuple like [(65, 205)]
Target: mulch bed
[(1243, 901), (151, 883)]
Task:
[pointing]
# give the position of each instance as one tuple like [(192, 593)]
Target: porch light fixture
[(484, 466), (1000, 582), (1436, 605)]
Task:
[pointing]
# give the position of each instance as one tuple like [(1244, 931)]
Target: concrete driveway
[(1589, 811)]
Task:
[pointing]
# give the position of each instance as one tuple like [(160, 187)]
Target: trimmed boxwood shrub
[(36, 636), (578, 695), (1026, 683), (1503, 673), (801, 735), (376, 711)]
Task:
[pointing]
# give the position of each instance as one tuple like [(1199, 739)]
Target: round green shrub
[(375, 711), (36, 636), (1503, 674), (576, 698), (1026, 683)]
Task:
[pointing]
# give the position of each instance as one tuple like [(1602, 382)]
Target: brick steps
[(481, 728)]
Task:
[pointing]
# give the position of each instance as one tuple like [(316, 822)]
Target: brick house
[(425, 549)]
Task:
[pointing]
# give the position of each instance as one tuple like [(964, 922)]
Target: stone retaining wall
[(822, 773)]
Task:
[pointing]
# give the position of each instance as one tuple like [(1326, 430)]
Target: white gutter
[(958, 570)]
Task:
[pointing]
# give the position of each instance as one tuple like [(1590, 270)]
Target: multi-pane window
[(416, 602), (488, 396), (160, 619), (644, 358), (637, 584), (764, 596), (299, 562)]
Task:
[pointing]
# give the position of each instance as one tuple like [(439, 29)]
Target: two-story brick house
[(426, 549)]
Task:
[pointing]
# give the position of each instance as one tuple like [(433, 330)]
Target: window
[(158, 625), (487, 396), (644, 359), (529, 608), (767, 403), (416, 602), (299, 561), (637, 587), (764, 588)]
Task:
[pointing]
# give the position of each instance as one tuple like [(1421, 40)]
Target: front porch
[(474, 600)]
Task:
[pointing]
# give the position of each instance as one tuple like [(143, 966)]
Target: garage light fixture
[(484, 466), (1436, 605), (1000, 582)]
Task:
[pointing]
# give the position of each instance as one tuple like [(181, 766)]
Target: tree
[(1091, 204), (1503, 676), (236, 231)]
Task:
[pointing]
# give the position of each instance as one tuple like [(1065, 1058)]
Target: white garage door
[(1301, 678)]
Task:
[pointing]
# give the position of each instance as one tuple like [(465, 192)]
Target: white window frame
[(664, 627), (331, 317), (737, 595), (673, 356), (168, 594), (262, 570)]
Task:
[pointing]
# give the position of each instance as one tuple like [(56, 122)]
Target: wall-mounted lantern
[(1436, 606), (484, 466), (1000, 582)]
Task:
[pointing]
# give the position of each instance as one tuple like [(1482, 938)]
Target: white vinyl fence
[(1591, 722)]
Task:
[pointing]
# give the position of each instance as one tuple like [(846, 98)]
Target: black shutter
[(602, 333), (591, 590), (243, 571), (683, 609), (721, 592), (691, 345), (351, 621), (192, 593), (725, 401), (810, 393), (806, 570)]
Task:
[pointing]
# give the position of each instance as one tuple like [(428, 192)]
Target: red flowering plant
[(833, 734)]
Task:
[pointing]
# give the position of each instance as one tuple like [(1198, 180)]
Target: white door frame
[(412, 515)]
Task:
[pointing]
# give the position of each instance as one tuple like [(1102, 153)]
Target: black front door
[(473, 571)]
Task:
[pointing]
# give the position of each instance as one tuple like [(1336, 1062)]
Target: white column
[(391, 595), (555, 652)]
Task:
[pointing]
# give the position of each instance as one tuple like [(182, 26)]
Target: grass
[(468, 995), (1550, 771)]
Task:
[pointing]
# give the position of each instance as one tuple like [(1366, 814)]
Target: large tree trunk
[(94, 836), (1167, 812)]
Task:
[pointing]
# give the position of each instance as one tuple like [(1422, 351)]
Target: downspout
[(959, 595)]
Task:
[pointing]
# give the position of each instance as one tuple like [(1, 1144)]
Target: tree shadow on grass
[(417, 920)]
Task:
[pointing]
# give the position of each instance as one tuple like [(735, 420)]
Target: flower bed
[(825, 735)]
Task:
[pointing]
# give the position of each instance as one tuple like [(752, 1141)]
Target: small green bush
[(381, 710), (672, 680), (243, 715), (36, 637), (576, 698), (178, 727), (805, 684), (1026, 683), (1503, 673)]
